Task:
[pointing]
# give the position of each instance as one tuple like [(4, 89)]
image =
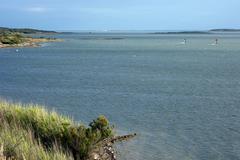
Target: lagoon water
[(183, 101)]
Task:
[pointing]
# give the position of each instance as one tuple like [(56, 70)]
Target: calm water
[(182, 100)]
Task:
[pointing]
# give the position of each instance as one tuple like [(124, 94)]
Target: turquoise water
[(182, 100)]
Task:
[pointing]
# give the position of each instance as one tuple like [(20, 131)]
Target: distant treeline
[(184, 32), (24, 30), (198, 32), (225, 30)]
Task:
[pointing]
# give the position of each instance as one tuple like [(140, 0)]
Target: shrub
[(101, 124)]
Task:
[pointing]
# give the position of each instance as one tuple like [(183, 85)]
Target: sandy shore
[(30, 42)]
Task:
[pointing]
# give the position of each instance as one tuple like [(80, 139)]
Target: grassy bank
[(15, 39), (29, 132), (11, 38)]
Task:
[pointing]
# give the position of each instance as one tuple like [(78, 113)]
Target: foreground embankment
[(30, 132)]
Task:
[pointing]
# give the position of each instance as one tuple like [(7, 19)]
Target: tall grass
[(20, 144), (29, 131)]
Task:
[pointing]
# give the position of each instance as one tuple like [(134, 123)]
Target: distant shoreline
[(26, 30), (39, 31), (26, 41), (183, 32), (224, 30), (212, 31), (18, 37), (30, 42)]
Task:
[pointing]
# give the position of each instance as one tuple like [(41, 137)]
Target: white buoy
[(184, 42)]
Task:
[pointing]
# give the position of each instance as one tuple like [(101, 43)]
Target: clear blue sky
[(120, 14)]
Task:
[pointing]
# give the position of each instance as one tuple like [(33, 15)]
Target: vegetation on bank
[(11, 38), (15, 39), (29, 132)]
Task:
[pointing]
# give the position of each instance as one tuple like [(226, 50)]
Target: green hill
[(25, 30)]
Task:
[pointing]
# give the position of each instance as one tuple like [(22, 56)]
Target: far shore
[(30, 42)]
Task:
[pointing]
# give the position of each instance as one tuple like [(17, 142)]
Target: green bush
[(101, 124)]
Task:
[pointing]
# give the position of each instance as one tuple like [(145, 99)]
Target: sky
[(120, 15)]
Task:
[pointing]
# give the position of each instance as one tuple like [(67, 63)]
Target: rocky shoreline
[(104, 150), (30, 42)]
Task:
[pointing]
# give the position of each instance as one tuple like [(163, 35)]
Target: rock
[(104, 149), (96, 156)]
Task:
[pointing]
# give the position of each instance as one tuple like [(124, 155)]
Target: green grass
[(29, 132)]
